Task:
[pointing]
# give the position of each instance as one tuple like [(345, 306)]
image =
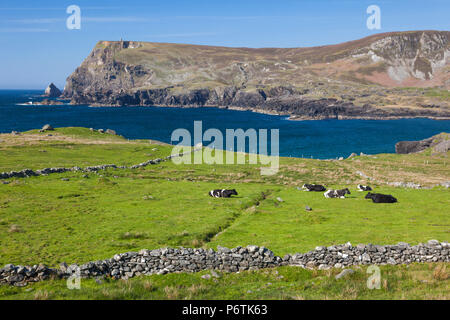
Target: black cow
[(313, 187), (222, 193), (364, 188), (337, 193), (381, 198)]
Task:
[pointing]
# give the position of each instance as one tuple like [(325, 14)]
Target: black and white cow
[(337, 193), (222, 193), (364, 188), (313, 187), (381, 198)]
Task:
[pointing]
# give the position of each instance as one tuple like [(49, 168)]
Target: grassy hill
[(77, 217)]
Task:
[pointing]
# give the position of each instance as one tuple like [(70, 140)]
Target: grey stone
[(361, 247), (221, 249), (433, 242), (215, 274), (344, 273), (391, 261), (366, 258), (9, 267), (63, 266)]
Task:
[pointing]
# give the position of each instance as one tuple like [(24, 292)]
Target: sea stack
[(52, 91)]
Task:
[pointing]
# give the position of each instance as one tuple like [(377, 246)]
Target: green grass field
[(49, 220)]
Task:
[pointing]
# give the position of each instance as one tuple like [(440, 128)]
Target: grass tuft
[(440, 272)]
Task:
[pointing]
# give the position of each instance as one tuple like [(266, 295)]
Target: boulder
[(47, 127), (52, 91)]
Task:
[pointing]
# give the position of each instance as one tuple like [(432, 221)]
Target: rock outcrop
[(439, 143), (48, 102), (52, 91)]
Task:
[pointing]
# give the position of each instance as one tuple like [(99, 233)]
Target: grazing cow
[(222, 193), (381, 198), (313, 187), (337, 193), (364, 188)]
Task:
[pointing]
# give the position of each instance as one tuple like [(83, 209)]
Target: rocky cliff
[(357, 79)]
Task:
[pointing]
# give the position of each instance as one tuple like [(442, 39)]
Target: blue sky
[(37, 48)]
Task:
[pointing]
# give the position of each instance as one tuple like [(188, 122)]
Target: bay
[(319, 139)]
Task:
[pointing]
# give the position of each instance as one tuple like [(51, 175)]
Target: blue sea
[(320, 139)]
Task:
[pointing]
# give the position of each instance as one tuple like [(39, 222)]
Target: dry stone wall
[(30, 173), (168, 260)]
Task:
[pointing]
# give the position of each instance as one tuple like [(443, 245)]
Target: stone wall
[(30, 173), (168, 260)]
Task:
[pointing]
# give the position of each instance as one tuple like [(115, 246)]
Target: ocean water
[(320, 139)]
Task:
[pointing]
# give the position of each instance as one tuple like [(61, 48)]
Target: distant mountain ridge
[(361, 78)]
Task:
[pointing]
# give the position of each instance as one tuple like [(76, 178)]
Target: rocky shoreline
[(279, 101), (440, 118), (170, 260)]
